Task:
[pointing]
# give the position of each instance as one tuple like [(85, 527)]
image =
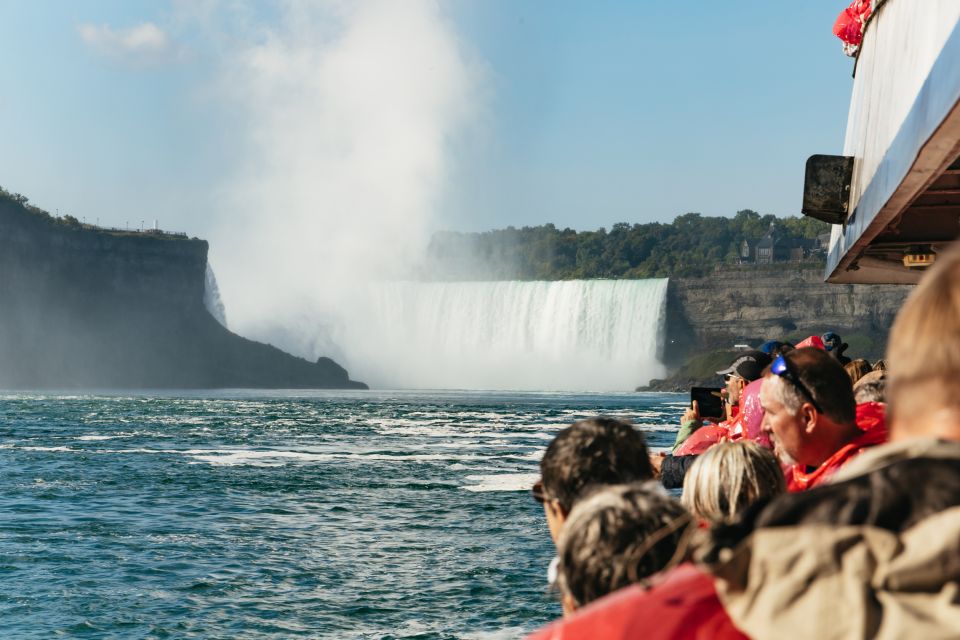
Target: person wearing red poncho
[(871, 552), (873, 431), (694, 437), (811, 417)]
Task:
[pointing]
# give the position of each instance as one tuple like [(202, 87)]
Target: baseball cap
[(748, 365)]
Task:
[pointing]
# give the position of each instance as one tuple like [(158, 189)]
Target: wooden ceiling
[(932, 219)]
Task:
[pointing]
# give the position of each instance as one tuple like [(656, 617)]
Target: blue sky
[(586, 113)]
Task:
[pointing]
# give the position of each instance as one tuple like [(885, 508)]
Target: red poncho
[(684, 605), (745, 424), (872, 422)]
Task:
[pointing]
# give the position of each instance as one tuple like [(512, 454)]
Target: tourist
[(811, 417), (812, 341), (856, 369), (870, 554), (616, 536), (835, 346), (598, 451), (744, 369), (746, 425), (923, 356), (873, 391), (774, 348), (879, 544), (870, 388), (730, 477)]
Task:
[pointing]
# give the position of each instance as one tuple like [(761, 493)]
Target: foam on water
[(502, 482)]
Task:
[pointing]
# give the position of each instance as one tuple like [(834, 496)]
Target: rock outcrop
[(751, 304), (82, 307)]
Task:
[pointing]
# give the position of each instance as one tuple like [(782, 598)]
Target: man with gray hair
[(871, 553), (811, 417)]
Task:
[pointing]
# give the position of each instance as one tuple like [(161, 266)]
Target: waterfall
[(576, 335), (211, 297)]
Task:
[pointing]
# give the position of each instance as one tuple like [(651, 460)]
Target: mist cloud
[(349, 114)]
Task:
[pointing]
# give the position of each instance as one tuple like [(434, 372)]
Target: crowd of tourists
[(824, 503)]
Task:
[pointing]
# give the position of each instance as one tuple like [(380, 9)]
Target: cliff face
[(750, 305), (81, 307)]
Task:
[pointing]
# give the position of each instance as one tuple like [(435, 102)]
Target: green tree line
[(691, 245)]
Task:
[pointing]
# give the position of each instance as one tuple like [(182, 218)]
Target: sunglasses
[(781, 367)]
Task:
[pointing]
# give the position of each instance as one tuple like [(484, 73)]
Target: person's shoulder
[(683, 604), (886, 487)]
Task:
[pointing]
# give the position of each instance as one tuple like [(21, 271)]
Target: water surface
[(277, 515)]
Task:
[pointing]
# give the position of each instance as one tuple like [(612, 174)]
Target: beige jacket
[(822, 581)]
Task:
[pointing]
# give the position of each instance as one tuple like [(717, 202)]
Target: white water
[(580, 335), (211, 297)]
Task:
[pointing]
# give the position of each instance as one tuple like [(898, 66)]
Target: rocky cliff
[(749, 305), (84, 307)]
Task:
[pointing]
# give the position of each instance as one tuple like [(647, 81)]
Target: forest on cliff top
[(691, 245)]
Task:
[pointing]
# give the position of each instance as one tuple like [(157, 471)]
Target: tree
[(691, 245)]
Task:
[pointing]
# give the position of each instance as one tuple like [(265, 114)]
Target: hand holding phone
[(692, 412), (708, 402)]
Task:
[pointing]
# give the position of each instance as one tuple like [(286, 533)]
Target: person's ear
[(569, 605), (558, 511), (809, 414)]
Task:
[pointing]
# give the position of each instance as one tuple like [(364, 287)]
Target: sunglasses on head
[(781, 367)]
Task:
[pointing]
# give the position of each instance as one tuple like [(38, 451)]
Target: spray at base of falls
[(579, 335)]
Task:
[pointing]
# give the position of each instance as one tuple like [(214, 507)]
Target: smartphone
[(708, 400)]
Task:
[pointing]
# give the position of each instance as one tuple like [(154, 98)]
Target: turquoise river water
[(277, 515)]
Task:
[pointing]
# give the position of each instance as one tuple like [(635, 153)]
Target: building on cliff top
[(775, 248), (894, 196)]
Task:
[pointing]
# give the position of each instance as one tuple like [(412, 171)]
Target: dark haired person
[(857, 369), (870, 554), (835, 346), (810, 416), (616, 536), (598, 451)]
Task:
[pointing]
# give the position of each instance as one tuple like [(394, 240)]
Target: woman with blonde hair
[(728, 478)]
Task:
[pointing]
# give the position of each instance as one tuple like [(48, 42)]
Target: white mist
[(348, 113)]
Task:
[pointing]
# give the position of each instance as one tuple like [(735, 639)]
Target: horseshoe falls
[(577, 335)]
